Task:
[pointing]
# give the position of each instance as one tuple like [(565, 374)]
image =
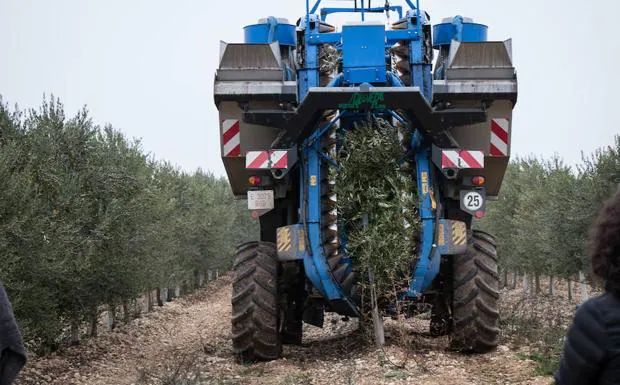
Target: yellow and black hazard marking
[(451, 237), (441, 236), (459, 233), (291, 243), (284, 239), (301, 240)]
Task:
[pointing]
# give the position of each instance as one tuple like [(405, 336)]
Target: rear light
[(254, 214), (478, 180), (254, 180), (479, 214)]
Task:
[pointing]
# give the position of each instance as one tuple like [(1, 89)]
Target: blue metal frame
[(459, 30), (308, 76), (329, 11), (269, 32), (392, 37), (428, 263), (362, 9), (317, 269), (317, 262)]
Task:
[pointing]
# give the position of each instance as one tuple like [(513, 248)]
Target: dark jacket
[(592, 350), (12, 351)]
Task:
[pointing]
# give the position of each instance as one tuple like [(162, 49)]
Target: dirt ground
[(187, 342)]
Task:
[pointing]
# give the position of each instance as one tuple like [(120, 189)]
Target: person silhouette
[(12, 350), (592, 348)]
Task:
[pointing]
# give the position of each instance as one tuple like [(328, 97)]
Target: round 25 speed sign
[(472, 201)]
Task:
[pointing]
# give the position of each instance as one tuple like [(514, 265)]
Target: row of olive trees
[(89, 222), (544, 213)]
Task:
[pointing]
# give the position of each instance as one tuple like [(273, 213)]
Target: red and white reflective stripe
[(279, 159), (231, 137), (500, 136), (265, 160), (472, 159), (462, 159), (450, 159), (257, 160)]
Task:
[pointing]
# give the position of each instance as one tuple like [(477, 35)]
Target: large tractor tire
[(475, 309), (255, 303)]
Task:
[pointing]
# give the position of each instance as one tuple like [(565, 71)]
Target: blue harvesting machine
[(285, 96)]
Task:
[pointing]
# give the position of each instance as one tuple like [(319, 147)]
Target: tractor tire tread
[(476, 296), (255, 315)]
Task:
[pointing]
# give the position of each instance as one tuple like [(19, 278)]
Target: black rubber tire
[(475, 309), (255, 303)]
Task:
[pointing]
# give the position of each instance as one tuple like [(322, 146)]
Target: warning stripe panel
[(450, 159), (500, 137), (257, 160), (462, 159), (230, 129), (471, 159), (266, 160), (279, 159), (231, 138), (233, 147), (498, 148)]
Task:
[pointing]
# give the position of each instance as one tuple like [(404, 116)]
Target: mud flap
[(314, 313)]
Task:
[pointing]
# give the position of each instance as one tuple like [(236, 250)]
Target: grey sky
[(147, 66)]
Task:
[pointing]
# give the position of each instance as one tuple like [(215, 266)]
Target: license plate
[(260, 200)]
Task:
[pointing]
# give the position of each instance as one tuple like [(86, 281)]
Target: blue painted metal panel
[(363, 53), (311, 270), (444, 33), (365, 75), (392, 37), (310, 203), (325, 282), (363, 45), (324, 38), (269, 32), (309, 75), (416, 58), (328, 11), (428, 254), (402, 34), (364, 62), (429, 259), (433, 270)]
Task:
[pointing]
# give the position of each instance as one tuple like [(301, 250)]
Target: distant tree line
[(544, 213), (89, 222)]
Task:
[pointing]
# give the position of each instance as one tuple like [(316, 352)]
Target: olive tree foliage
[(378, 206), (545, 210), (88, 221)]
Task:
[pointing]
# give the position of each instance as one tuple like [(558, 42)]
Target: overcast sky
[(147, 66)]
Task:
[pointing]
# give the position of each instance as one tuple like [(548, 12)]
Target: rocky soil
[(187, 342)]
